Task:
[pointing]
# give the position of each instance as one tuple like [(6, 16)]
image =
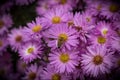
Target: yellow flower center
[(64, 57), (101, 40), (113, 8), (32, 76), (97, 59), (1, 24), (56, 19), (18, 38), (63, 1), (30, 50), (105, 31), (1, 43), (56, 77), (62, 38), (36, 28)]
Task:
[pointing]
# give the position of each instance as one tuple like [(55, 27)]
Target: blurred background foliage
[(23, 14)]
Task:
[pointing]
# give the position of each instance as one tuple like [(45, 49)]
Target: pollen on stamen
[(56, 77), (45, 6), (36, 28), (1, 43), (99, 7), (30, 50), (97, 60), (64, 57), (78, 28), (118, 32), (56, 20), (118, 62), (70, 23), (32, 76), (18, 38), (63, 1), (105, 31), (113, 8), (23, 65), (88, 19), (101, 40), (1, 24)]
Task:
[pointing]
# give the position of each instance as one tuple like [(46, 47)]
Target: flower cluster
[(67, 40)]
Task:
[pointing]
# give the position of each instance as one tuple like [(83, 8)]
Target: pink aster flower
[(23, 2), (64, 61), (5, 23), (111, 11), (68, 4), (100, 40), (115, 43), (43, 7), (116, 60), (35, 28), (117, 32), (80, 22), (49, 73), (70, 22), (61, 36), (88, 18), (3, 44), (98, 60), (16, 38), (53, 2), (94, 6), (78, 73), (21, 66), (30, 51), (81, 26), (56, 16), (32, 72), (104, 29), (116, 27)]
